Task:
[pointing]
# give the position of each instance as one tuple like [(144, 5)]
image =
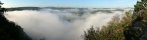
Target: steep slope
[(10, 31), (138, 29)]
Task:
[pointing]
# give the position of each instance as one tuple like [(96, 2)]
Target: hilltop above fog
[(72, 10)]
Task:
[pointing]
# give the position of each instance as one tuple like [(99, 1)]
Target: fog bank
[(59, 25)]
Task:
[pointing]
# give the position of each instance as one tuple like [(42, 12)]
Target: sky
[(70, 3)]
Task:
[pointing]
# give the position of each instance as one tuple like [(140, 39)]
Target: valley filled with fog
[(63, 23)]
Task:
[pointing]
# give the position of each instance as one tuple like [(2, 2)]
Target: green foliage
[(126, 29), (140, 10), (91, 34), (113, 31), (137, 30), (144, 0), (138, 6)]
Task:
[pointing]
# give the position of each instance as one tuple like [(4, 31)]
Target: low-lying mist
[(49, 24)]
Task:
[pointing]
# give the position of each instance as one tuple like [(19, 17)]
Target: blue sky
[(71, 3)]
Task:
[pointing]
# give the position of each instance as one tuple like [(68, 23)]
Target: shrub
[(113, 31)]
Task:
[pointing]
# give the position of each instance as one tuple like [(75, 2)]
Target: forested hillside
[(131, 27)]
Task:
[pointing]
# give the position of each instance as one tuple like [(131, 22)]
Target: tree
[(137, 30), (9, 30), (113, 31)]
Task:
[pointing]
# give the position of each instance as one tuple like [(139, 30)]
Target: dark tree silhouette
[(9, 30)]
